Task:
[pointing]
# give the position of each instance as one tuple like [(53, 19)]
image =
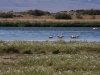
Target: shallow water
[(42, 33)]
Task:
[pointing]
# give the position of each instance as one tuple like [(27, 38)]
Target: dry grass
[(86, 18)]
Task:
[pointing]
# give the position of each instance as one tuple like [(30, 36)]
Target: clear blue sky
[(48, 5)]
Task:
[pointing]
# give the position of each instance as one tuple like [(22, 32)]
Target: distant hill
[(48, 5)]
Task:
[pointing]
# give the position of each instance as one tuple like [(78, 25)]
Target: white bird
[(95, 28), (50, 36), (60, 36), (74, 36)]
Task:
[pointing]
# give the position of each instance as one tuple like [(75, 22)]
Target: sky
[(48, 5)]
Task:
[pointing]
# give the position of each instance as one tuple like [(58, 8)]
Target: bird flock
[(71, 36), (61, 36)]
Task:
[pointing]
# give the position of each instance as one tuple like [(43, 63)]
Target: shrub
[(56, 51), (27, 52), (79, 16), (6, 15), (10, 49), (62, 16), (37, 12)]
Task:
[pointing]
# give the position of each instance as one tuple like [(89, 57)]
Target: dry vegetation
[(49, 58), (39, 15), (86, 18)]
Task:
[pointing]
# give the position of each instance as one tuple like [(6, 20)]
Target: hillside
[(41, 16)]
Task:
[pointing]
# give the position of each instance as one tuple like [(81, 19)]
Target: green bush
[(10, 49), (62, 16), (27, 52), (36, 12), (6, 15), (55, 51)]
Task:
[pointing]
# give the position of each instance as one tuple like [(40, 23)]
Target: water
[(42, 33)]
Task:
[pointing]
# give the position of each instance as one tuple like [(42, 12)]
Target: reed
[(49, 24)]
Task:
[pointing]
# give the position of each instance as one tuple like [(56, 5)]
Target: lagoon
[(42, 33)]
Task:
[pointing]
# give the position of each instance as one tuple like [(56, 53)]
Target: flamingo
[(60, 36), (50, 36), (95, 28), (74, 36)]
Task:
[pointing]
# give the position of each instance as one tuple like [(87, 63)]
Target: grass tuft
[(27, 52), (55, 52)]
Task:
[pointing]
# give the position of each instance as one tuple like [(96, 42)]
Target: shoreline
[(50, 24)]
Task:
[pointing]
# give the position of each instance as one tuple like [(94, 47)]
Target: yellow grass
[(86, 18), (48, 20)]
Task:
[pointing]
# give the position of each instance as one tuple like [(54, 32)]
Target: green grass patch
[(49, 58), (56, 47), (49, 24), (53, 64)]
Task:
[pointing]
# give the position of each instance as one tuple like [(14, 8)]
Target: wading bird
[(74, 36), (60, 36), (95, 28), (50, 36)]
